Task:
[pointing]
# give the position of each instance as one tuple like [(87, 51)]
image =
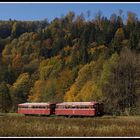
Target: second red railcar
[(79, 109)]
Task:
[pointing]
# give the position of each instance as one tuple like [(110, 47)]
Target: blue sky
[(40, 11)]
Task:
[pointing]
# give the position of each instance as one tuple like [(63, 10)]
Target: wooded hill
[(71, 58)]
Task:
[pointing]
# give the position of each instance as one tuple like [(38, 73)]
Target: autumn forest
[(72, 58)]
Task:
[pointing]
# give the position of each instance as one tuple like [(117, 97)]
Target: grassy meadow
[(35, 126)]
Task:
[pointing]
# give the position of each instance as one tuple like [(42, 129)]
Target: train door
[(52, 108)]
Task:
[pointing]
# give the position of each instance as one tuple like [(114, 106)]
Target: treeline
[(72, 58)]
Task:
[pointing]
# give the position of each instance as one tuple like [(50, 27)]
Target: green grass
[(14, 125)]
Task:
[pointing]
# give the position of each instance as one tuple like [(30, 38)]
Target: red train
[(36, 108), (62, 109)]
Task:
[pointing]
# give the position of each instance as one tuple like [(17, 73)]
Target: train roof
[(39, 104), (77, 103)]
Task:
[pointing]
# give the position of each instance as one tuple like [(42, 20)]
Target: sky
[(40, 11)]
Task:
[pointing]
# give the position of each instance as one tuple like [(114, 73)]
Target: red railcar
[(36, 108), (79, 109)]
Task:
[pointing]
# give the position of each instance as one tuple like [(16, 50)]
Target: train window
[(42, 106), (66, 106), (60, 106), (90, 107), (86, 106), (73, 106), (81, 107), (69, 106), (78, 106), (37, 107), (23, 106)]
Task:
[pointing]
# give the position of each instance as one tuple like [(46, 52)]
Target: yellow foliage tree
[(22, 81), (36, 91), (89, 92), (77, 90), (84, 74), (70, 95), (50, 68)]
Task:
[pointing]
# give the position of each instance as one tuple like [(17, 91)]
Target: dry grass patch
[(69, 127)]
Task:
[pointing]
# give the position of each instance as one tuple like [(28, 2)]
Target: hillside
[(71, 59)]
